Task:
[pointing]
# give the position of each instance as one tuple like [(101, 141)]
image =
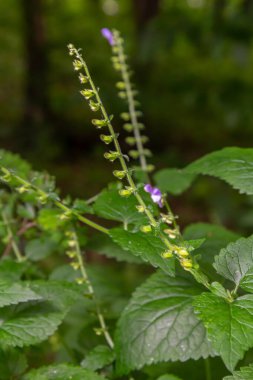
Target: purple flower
[(155, 193), (108, 35)]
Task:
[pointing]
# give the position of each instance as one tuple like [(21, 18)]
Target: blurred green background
[(193, 64)]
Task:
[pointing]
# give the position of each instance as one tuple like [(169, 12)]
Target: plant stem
[(15, 248), (198, 275), (130, 100), (58, 203), (208, 369), (100, 316)]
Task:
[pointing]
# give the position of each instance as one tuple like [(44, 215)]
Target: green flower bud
[(115, 59), (80, 280), (22, 189), (167, 254), (150, 168), (71, 254), (120, 174), (94, 106), (125, 192), (133, 153), (77, 64), (117, 66), (144, 139), (130, 140), (115, 49), (75, 265), (111, 156), (125, 116), (128, 127), (99, 123), (140, 126), (182, 252), (171, 233), (107, 139), (147, 152), (120, 85), (146, 229), (186, 264), (122, 95), (87, 93), (43, 198), (83, 79), (140, 208)]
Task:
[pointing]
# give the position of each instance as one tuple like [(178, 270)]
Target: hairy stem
[(100, 316), (15, 248)]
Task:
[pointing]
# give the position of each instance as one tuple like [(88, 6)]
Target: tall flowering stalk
[(127, 92), (91, 94)]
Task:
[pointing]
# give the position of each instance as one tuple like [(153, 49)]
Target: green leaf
[(62, 372), (13, 363), (229, 325), (38, 249), (146, 246), (14, 162), (32, 322), (14, 293), (173, 181), (168, 377), (49, 219), (232, 165), (99, 357), (11, 270), (104, 245), (159, 324), (245, 373), (110, 205), (235, 260)]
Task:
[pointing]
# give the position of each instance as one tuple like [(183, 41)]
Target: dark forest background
[(193, 63)]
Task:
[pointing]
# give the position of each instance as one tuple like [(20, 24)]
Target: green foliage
[(245, 373), (98, 358), (60, 372), (173, 181), (147, 246), (159, 324), (229, 325)]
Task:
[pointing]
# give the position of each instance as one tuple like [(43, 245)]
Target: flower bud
[(147, 152), (80, 280), (186, 263), (77, 65), (107, 139), (117, 66), (83, 79), (140, 208), (128, 127), (43, 198), (71, 254), (171, 233), (140, 126), (87, 93), (22, 189), (146, 229), (94, 106), (133, 153), (120, 85), (99, 123), (125, 116), (144, 139), (130, 140), (111, 156), (167, 254), (150, 168), (125, 192), (75, 265), (122, 95), (182, 252), (120, 174)]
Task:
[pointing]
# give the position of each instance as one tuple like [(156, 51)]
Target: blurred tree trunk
[(144, 11), (37, 106)]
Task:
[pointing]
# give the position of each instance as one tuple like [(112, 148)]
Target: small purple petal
[(148, 188), (156, 198), (108, 35), (156, 191)]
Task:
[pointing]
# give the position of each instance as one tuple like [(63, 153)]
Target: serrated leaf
[(235, 260), (32, 322), (245, 373), (14, 293), (229, 325), (99, 357), (147, 246), (110, 205), (105, 246), (62, 372), (173, 181), (233, 165), (159, 324)]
